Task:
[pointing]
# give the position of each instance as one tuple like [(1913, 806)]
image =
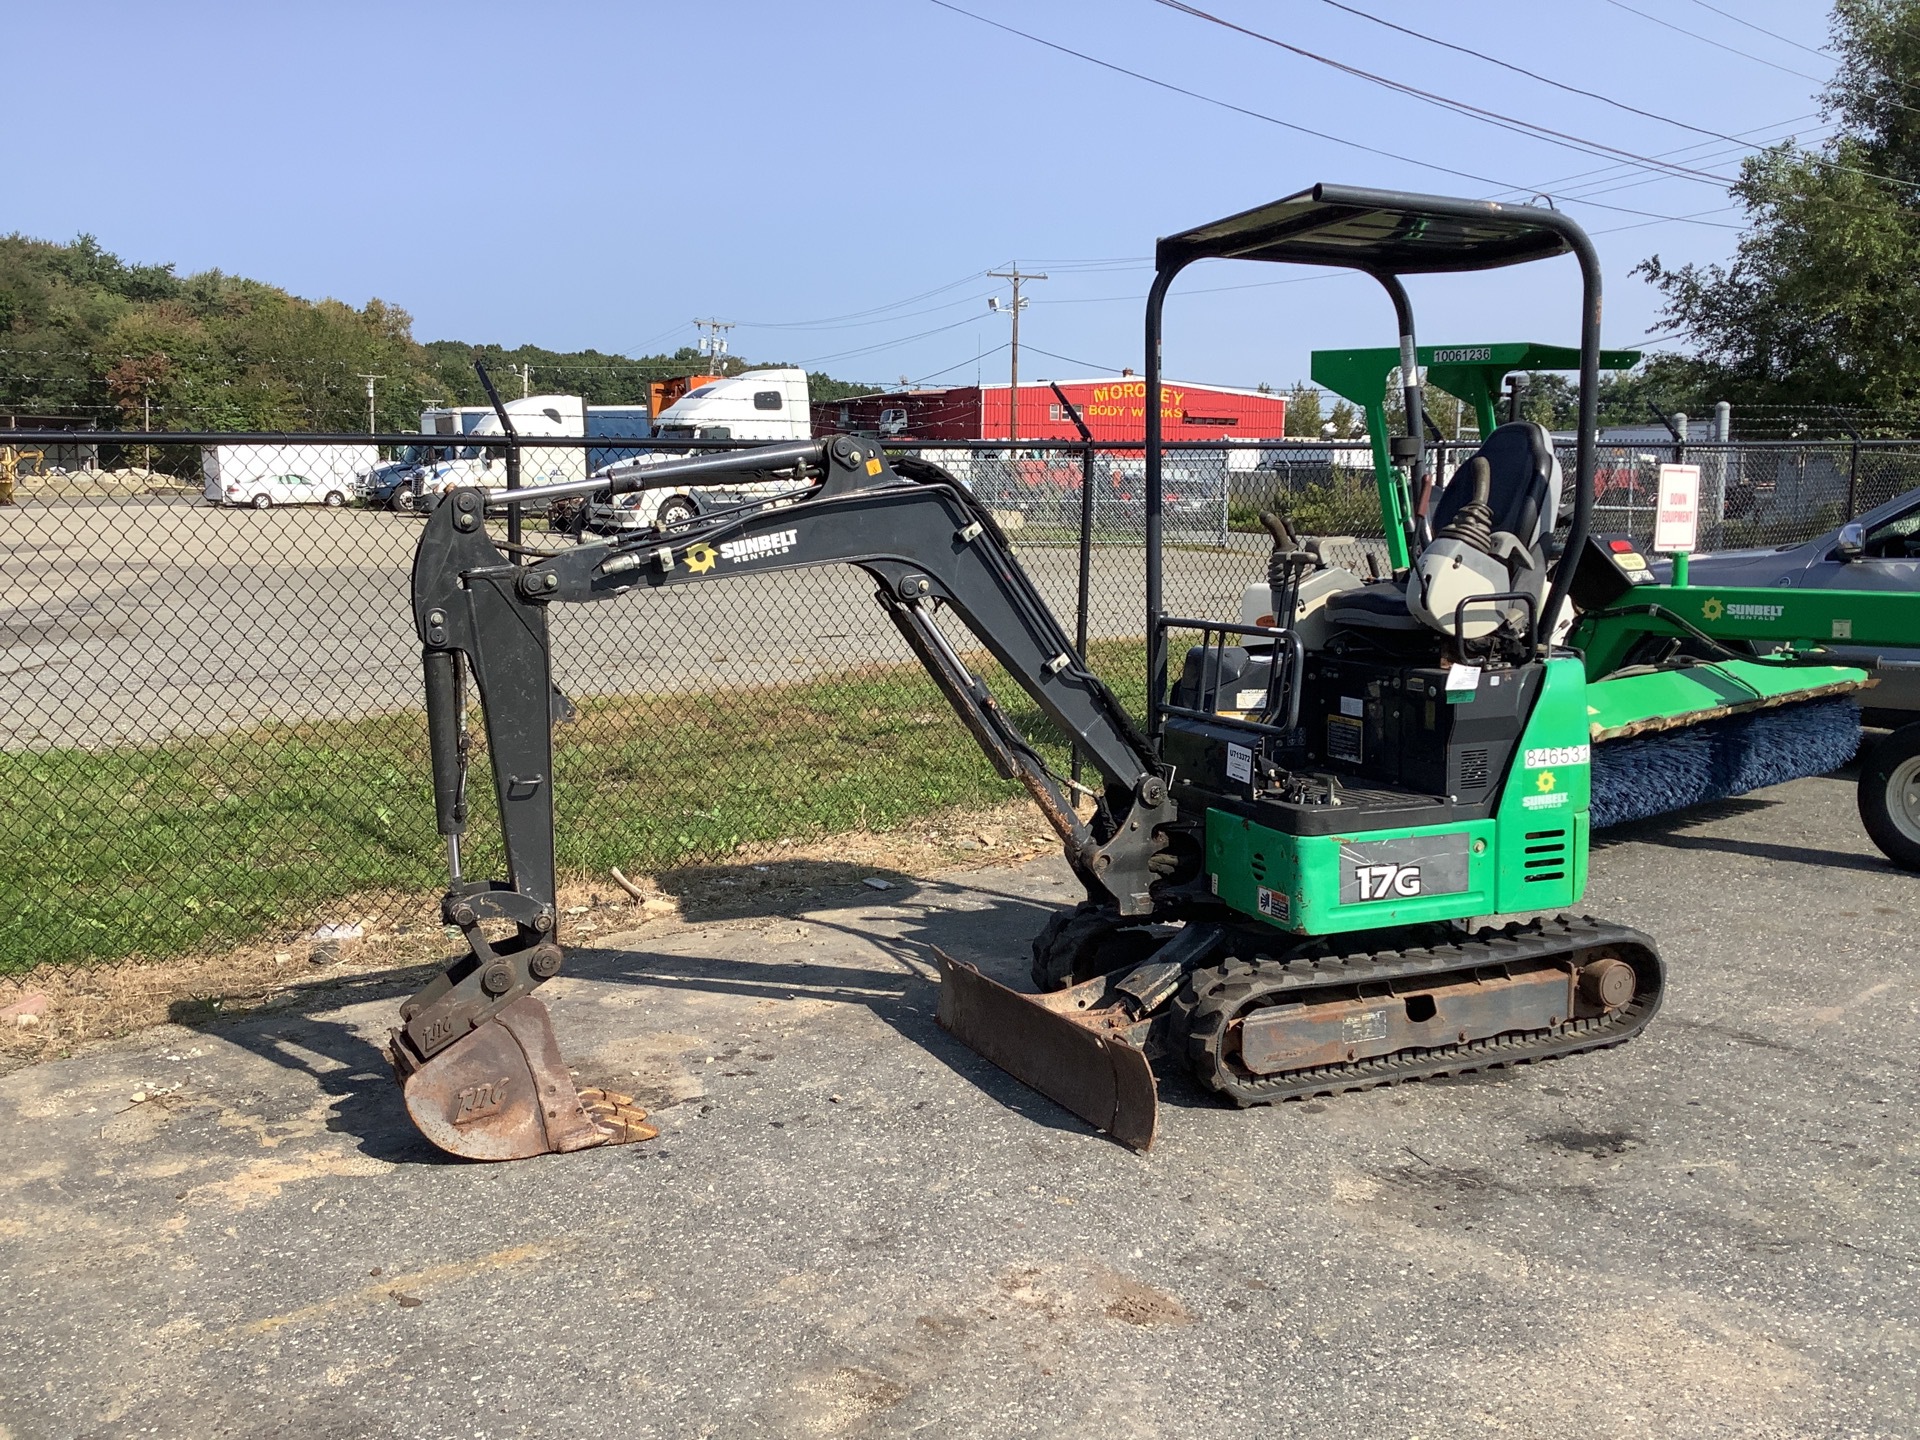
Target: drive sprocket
[(1088, 940)]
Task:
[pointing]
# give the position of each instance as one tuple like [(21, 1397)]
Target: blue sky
[(577, 175)]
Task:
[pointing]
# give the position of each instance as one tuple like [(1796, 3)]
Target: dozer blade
[(1073, 1060), (502, 1092)]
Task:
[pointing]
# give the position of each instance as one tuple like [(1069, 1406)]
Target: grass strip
[(157, 851)]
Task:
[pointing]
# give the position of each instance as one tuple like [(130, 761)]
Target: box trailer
[(237, 474)]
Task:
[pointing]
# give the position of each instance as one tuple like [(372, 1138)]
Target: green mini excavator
[(1284, 861)]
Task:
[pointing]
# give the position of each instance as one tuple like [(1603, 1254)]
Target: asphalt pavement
[(851, 1225)]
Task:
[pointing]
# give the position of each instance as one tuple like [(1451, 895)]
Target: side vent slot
[(1474, 769), (1546, 855), (1258, 865)]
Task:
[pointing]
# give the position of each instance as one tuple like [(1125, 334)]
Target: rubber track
[(1221, 993)]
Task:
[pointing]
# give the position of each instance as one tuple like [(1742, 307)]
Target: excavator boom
[(475, 1052)]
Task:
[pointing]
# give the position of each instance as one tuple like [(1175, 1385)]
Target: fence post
[(1085, 582), (1853, 473), (1723, 436), (1226, 484), (1086, 569)]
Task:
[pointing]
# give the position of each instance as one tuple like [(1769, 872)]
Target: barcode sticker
[(1239, 763)]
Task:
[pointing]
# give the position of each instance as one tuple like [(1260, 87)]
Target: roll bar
[(1385, 234)]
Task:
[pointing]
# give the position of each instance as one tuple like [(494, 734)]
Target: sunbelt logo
[(778, 543), (1713, 608)]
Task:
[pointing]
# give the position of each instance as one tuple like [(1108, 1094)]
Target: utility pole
[(713, 344), (1019, 304), (526, 380), (371, 426)]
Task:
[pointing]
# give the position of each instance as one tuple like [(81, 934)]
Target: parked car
[(271, 490), (1879, 551)]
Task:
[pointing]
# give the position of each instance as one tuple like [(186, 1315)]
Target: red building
[(1114, 409)]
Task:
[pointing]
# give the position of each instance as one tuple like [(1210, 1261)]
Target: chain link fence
[(210, 707), (210, 682)]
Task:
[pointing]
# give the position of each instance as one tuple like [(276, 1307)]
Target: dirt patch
[(1132, 1303), (84, 1005)]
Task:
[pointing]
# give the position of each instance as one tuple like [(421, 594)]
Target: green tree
[(1303, 409), (86, 335), (1821, 302)]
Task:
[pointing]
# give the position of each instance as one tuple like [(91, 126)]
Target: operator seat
[(1523, 501), (1524, 494)]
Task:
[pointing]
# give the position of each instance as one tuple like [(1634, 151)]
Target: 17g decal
[(1382, 882)]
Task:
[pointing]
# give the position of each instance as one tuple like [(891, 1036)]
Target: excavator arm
[(475, 1052)]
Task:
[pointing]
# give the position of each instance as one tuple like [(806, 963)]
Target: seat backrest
[(1524, 488)]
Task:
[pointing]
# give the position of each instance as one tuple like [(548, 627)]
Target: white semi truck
[(533, 415), (542, 415), (756, 405)]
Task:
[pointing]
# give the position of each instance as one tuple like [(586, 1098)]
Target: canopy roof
[(1387, 231)]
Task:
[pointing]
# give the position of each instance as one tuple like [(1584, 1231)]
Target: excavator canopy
[(1388, 232)]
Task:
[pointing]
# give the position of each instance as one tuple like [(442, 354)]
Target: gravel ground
[(850, 1225)]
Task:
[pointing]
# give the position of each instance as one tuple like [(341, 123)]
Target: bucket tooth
[(618, 1115), (1075, 1060), (502, 1092)]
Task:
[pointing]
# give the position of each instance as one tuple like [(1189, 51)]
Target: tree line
[(88, 337)]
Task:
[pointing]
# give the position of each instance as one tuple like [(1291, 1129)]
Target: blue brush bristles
[(1674, 769)]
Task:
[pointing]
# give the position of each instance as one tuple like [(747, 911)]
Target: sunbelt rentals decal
[(1713, 607), (759, 547)]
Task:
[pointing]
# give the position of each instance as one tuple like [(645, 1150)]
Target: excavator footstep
[(502, 1092)]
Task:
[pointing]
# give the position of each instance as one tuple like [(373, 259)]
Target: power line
[(1086, 364), (1643, 224), (969, 278), (877, 320), (1288, 124), (1530, 74), (1770, 34), (1696, 35), (1706, 39), (936, 374), (1446, 102), (1616, 169), (889, 344)]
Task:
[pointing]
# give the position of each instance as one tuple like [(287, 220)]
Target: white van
[(756, 405), (277, 474), (533, 415)]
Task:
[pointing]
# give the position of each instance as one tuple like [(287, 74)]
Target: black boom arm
[(925, 543)]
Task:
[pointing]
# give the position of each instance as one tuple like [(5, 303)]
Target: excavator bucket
[(1084, 1058), (502, 1092)]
